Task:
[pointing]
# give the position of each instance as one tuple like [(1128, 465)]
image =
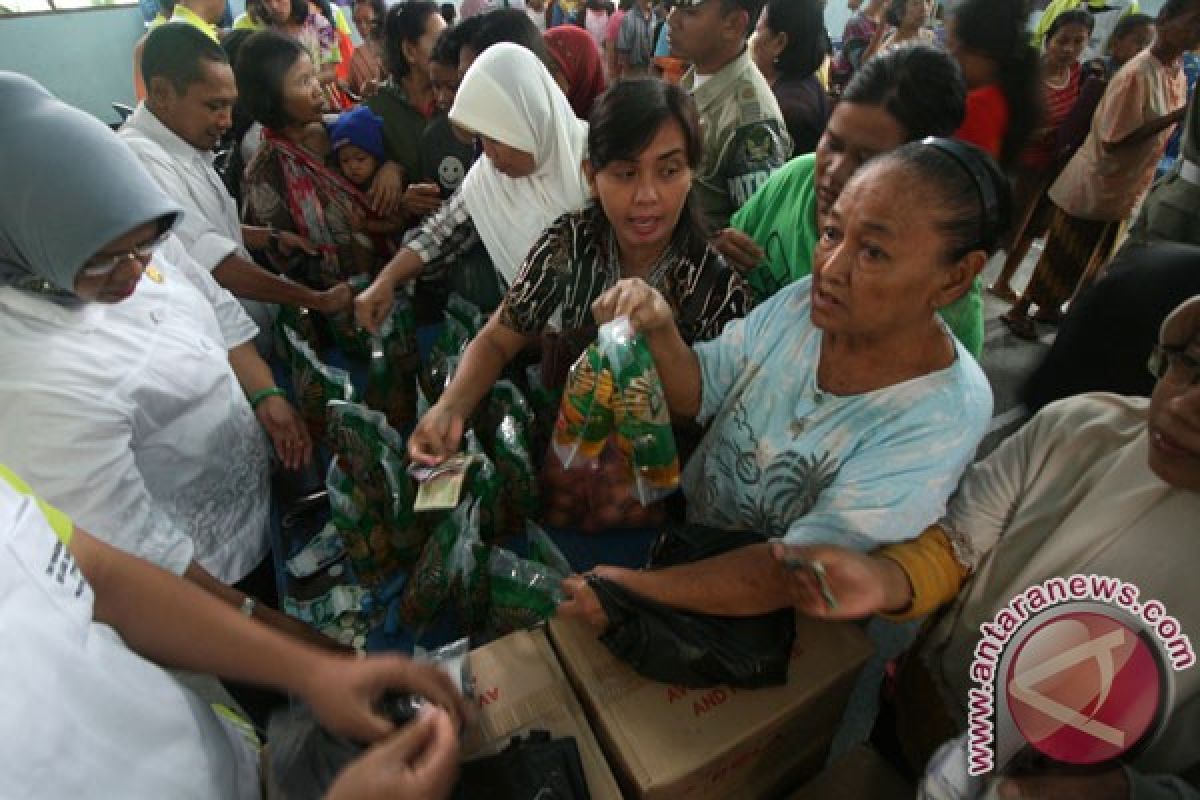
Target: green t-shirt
[(781, 217)]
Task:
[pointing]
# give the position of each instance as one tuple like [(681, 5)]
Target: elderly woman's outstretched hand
[(859, 584), (637, 300)]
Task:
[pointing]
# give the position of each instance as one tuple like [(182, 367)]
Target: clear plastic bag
[(522, 593), (585, 415), (613, 457), (450, 344), (643, 422), (504, 425), (467, 313), (368, 545), (371, 453), (430, 583), (542, 549)]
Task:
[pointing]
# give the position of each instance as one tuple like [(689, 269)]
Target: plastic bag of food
[(315, 384), (451, 343), (352, 340), (392, 374), (302, 322), (542, 549), (643, 422), (483, 484), (503, 424), (467, 567), (523, 593), (372, 454), (466, 312), (585, 416), (368, 545), (429, 583)]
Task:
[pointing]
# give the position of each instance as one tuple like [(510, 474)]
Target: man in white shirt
[(188, 108)]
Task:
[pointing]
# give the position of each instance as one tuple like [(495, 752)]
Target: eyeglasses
[(104, 265), (1174, 361)]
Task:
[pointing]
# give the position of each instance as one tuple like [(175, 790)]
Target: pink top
[(1106, 185), (614, 26)]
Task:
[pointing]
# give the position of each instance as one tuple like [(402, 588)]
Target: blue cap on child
[(360, 127)]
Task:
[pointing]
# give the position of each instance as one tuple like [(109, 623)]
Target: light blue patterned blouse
[(786, 459)]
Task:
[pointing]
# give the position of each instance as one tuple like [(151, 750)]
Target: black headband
[(984, 185)]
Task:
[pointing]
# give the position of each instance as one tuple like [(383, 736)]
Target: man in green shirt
[(745, 139)]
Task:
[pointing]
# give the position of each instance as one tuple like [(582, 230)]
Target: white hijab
[(509, 96)]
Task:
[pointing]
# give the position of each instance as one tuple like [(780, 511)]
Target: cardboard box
[(671, 742), (520, 687), (861, 774)]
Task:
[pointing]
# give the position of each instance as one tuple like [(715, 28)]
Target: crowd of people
[(797, 230)]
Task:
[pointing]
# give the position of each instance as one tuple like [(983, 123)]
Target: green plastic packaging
[(450, 344), (314, 383), (392, 373), (504, 423), (372, 454)]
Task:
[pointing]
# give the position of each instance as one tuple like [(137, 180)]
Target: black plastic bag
[(534, 768), (695, 650)]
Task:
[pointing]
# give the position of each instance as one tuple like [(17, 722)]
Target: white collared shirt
[(210, 228), (129, 418)]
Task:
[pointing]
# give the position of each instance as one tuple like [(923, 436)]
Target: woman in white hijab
[(532, 174), (126, 369)]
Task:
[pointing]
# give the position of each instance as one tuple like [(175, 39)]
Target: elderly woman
[(841, 410), (133, 397), (1094, 484), (531, 173), (643, 145), (898, 97)]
